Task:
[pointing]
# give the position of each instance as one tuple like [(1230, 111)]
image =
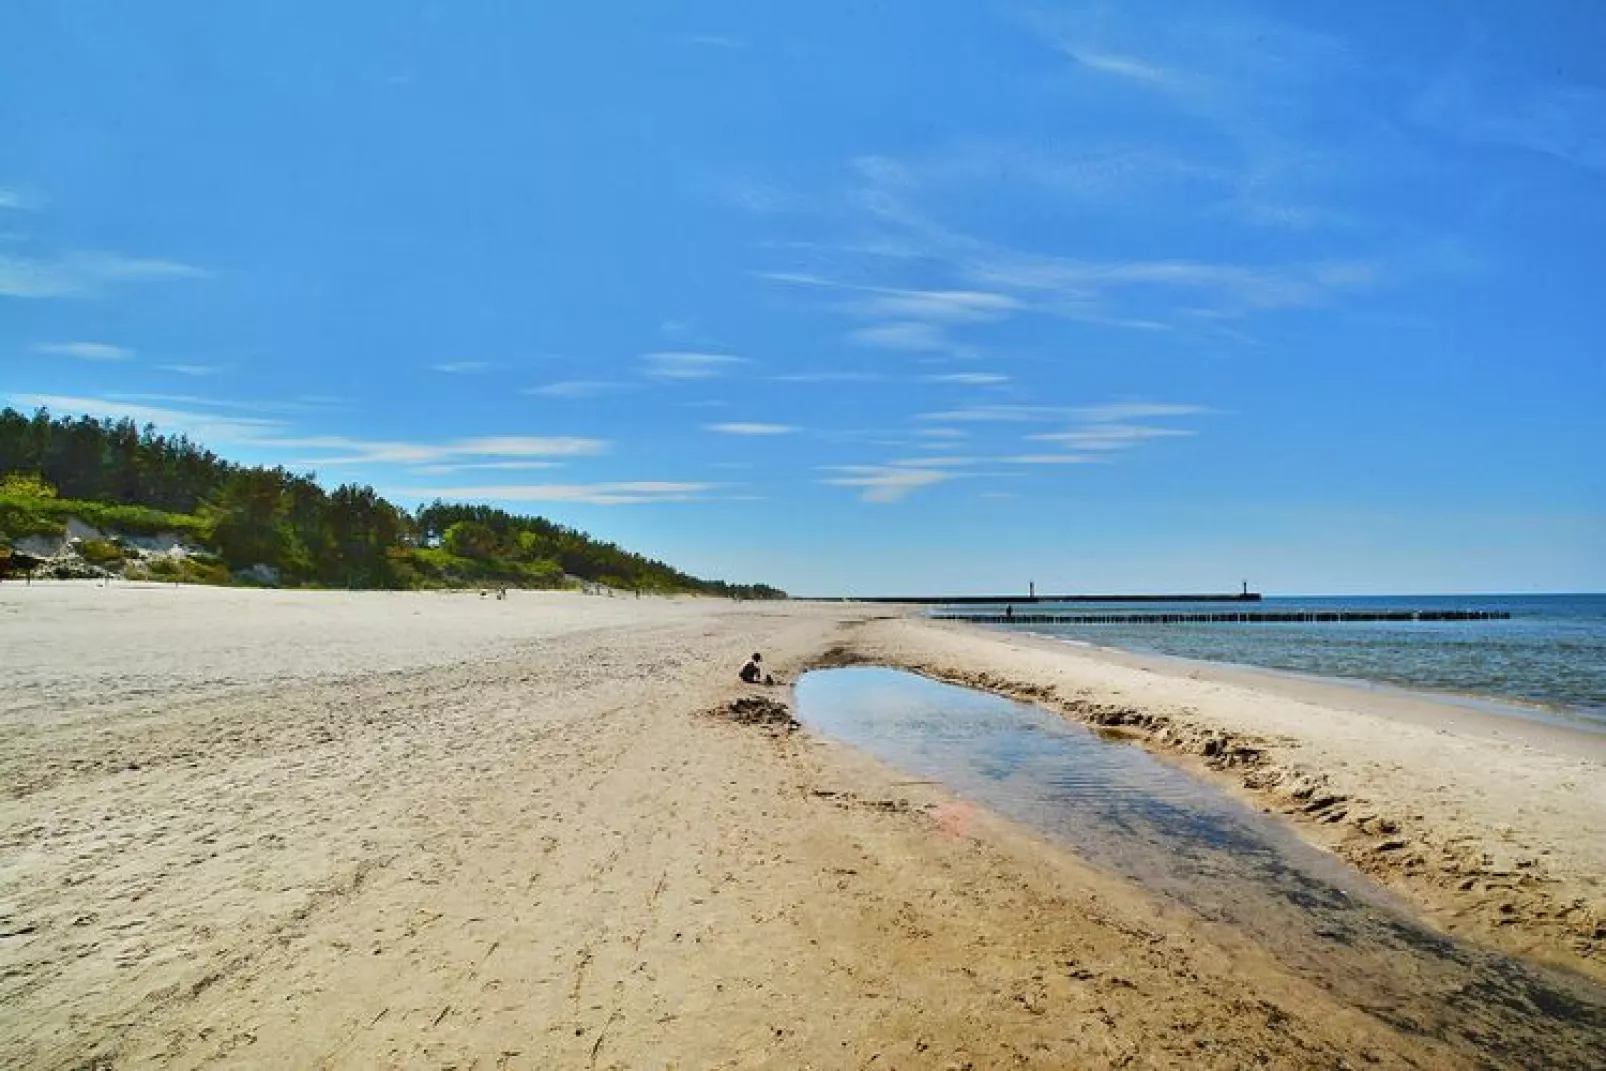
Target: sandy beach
[(328, 829)]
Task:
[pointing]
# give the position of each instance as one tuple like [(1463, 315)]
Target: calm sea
[(1550, 657)]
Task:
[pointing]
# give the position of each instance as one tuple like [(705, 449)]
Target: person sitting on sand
[(753, 672)]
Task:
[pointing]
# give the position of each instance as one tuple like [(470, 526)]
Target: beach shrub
[(100, 552), (437, 567), (18, 520), (47, 515), (25, 485), (182, 570), (470, 539)]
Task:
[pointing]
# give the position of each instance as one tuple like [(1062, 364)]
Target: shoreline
[(1445, 828), (1503, 709), (1560, 714)]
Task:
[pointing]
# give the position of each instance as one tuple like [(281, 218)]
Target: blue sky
[(852, 298)]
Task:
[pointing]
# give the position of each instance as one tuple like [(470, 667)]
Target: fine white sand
[(353, 830)]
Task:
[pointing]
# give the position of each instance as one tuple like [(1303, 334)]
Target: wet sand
[(356, 830)]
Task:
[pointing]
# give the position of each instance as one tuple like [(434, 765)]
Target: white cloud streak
[(84, 274), (194, 371), (461, 368), (85, 351), (939, 462), (711, 40), (830, 377), (1118, 412), (1564, 121), (578, 388), (482, 466), (997, 414), (270, 433), (347, 451), (1109, 436), (973, 379), (1130, 68), (914, 320), (627, 493), (885, 483), (1242, 287), (1053, 459), (677, 365), (210, 428), (952, 306), (748, 428), (908, 335)]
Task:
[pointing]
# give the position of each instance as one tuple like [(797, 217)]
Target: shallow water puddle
[(1188, 843)]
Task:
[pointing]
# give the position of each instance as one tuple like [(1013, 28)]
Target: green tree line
[(55, 467)]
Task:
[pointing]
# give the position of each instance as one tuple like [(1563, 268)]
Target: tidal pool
[(1190, 844)]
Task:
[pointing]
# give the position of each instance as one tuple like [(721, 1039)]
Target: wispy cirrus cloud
[(887, 483), (945, 306), (996, 280), (1053, 459), (84, 274), (1131, 68), (461, 368), (758, 196), (341, 450), (950, 461), (1109, 436), (996, 414), (1564, 121), (680, 365), (207, 426), (830, 377), (970, 379), (1113, 426), (15, 200), (261, 407), (903, 318), (908, 335), (194, 371), (624, 493), (579, 388), (895, 480), (1237, 287), (1214, 71), (1102, 175), (84, 351), (752, 428), (715, 40), (486, 466), (264, 427), (1116, 412)]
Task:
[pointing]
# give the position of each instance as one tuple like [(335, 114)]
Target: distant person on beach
[(1009, 613), (753, 672)]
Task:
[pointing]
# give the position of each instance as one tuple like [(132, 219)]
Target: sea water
[(1549, 657)]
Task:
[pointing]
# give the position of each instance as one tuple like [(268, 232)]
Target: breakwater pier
[(1227, 617), (1028, 599)]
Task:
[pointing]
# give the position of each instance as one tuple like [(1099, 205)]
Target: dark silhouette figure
[(753, 672)]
